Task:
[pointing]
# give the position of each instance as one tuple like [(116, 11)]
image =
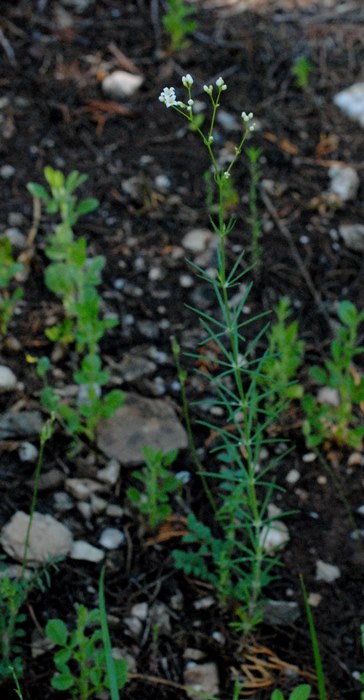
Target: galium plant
[(301, 70), (178, 23), (338, 421), (9, 268), (231, 553), (74, 277), (285, 352), (158, 485)]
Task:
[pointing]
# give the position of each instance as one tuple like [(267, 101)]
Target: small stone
[(281, 612), (8, 379), (12, 344), (15, 237), (197, 240), (134, 625), (356, 459), (110, 474), (204, 603), (48, 538), (27, 452), (353, 236), (120, 84), (351, 102), (85, 509), (155, 274), (15, 218), (160, 616), (86, 552), (186, 281), (293, 476), (140, 610), (330, 397), (98, 505), (114, 511), (314, 599), (201, 679), (111, 538), (81, 488), (148, 328), (62, 501), (309, 457), (360, 510), (326, 572), (344, 182), (274, 535), (162, 183), (193, 654), (7, 171)]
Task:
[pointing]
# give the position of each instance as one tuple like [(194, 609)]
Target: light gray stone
[(8, 379), (140, 422), (326, 572), (82, 489), (351, 102), (120, 84), (110, 474), (281, 612), (353, 236), (111, 538), (48, 538), (344, 182), (197, 240), (86, 552), (200, 679)]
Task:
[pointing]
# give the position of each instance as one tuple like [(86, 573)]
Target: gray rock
[(200, 679), (27, 452), (22, 424), (344, 182), (351, 102), (86, 552), (48, 538), (135, 367), (111, 538), (120, 84), (197, 240), (326, 572), (281, 612), (109, 474), (353, 236), (8, 379), (16, 237), (7, 171), (82, 489), (140, 422)]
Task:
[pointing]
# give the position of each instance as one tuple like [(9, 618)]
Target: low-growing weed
[(8, 269), (178, 23), (301, 70), (337, 421), (74, 277), (81, 663), (302, 692), (231, 553), (158, 484), (285, 352)]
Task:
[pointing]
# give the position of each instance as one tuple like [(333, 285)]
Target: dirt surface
[(147, 171)]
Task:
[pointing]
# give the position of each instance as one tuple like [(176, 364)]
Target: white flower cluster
[(247, 118), (220, 83), (168, 97), (187, 81)]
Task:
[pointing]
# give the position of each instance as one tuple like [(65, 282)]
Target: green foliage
[(8, 269), (254, 221), (302, 692), (301, 70), (285, 351), (338, 423), (81, 662), (74, 277), (177, 23), (158, 484), (230, 553)]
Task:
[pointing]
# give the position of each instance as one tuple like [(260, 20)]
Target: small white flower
[(168, 97), (190, 103), (210, 139), (187, 80), (247, 117), (220, 82), (226, 175), (252, 127), (208, 89)]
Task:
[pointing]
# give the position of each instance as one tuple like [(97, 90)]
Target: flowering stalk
[(241, 507)]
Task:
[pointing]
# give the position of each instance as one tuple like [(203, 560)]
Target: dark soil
[(53, 112)]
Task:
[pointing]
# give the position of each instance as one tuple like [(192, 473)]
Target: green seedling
[(302, 692), (82, 663), (230, 550), (158, 485), (338, 422), (255, 222), (285, 352), (8, 270), (178, 24), (301, 70), (74, 277)]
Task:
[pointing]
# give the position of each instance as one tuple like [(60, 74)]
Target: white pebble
[(111, 538)]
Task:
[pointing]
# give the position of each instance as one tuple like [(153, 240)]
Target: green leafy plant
[(230, 552), (285, 352), (302, 692), (255, 222), (178, 23), (158, 484), (301, 70), (337, 421), (74, 277), (82, 663), (15, 591), (8, 270)]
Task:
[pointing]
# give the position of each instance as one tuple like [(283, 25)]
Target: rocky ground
[(57, 108)]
